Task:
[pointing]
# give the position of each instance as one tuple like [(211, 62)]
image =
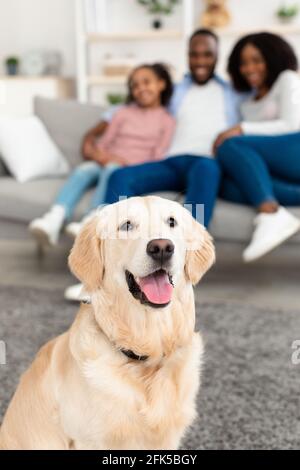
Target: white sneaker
[(73, 229), (76, 294), (271, 230), (46, 229)]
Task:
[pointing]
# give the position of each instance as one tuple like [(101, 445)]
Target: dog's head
[(143, 247)]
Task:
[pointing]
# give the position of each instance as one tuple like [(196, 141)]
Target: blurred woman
[(260, 157)]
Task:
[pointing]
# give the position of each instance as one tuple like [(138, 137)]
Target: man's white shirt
[(200, 118)]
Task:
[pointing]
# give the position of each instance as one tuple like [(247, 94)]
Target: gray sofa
[(67, 122)]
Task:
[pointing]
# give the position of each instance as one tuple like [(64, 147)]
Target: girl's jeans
[(84, 177)]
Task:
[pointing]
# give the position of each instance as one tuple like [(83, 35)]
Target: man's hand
[(233, 132), (88, 147), (90, 140)]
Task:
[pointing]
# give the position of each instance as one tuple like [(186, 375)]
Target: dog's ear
[(200, 254), (86, 257)]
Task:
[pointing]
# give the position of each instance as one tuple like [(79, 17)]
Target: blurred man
[(203, 105)]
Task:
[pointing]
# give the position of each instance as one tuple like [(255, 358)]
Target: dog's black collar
[(132, 355), (128, 353)]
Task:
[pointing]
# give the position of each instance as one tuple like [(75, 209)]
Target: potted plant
[(158, 8), (115, 98), (286, 14), (12, 65)]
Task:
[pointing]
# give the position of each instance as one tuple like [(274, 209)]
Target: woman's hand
[(233, 132)]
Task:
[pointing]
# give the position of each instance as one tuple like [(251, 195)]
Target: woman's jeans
[(199, 177), (258, 169), (84, 177)]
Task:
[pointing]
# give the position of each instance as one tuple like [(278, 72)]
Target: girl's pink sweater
[(137, 135)]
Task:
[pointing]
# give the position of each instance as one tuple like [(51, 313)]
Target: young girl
[(260, 157), (140, 131)]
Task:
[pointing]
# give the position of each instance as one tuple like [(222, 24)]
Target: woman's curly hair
[(277, 53)]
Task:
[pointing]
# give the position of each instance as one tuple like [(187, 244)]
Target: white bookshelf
[(86, 39), (175, 38)]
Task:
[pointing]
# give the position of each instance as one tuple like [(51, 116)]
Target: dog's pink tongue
[(156, 287)]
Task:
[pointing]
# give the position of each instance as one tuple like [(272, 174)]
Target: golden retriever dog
[(126, 374)]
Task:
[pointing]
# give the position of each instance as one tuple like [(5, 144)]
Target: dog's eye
[(171, 222), (126, 227)]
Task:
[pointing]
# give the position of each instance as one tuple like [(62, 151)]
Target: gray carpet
[(250, 390)]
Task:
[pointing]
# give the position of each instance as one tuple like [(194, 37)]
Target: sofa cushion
[(234, 222), (67, 122), (24, 201), (28, 151)]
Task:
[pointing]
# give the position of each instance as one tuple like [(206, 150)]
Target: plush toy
[(215, 15)]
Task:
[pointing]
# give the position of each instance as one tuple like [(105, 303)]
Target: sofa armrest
[(3, 169), (67, 121)]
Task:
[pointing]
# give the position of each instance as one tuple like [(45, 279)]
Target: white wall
[(38, 24), (127, 15), (49, 24), (256, 12)]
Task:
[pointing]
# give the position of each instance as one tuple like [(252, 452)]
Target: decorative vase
[(12, 69), (157, 23), (53, 63), (215, 14), (34, 63), (286, 19)]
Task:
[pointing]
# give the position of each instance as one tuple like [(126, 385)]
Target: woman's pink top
[(137, 135)]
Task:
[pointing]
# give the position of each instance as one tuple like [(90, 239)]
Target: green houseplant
[(12, 65), (287, 13), (159, 8), (115, 98)]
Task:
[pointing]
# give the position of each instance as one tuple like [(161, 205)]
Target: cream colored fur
[(82, 392)]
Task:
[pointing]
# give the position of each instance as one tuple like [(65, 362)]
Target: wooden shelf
[(17, 93), (174, 34), (95, 80), (275, 28), (104, 80), (86, 39), (134, 35), (34, 77)]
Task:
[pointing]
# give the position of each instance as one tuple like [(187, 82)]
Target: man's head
[(203, 55)]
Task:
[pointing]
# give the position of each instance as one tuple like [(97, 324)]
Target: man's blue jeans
[(259, 169), (199, 177), (84, 177)]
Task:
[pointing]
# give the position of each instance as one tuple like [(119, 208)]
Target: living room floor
[(249, 317), (271, 283)]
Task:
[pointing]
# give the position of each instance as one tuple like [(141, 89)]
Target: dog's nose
[(160, 249)]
